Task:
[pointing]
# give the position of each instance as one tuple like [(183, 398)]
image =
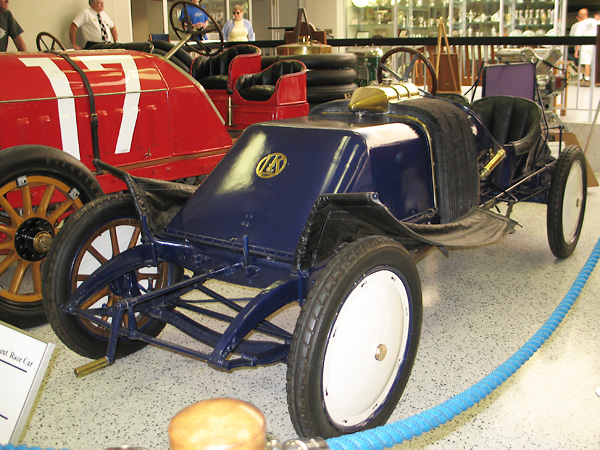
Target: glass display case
[(476, 18), (418, 18), (415, 18), (530, 18), (370, 18)]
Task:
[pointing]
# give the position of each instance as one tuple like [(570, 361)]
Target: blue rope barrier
[(21, 447), (395, 433)]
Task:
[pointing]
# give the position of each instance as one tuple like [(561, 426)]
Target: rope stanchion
[(395, 433)]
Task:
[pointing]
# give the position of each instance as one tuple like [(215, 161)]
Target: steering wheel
[(40, 41), (181, 22), (384, 65)]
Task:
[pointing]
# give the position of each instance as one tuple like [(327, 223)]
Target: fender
[(13, 158)]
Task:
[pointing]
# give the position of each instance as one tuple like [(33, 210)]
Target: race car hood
[(266, 185)]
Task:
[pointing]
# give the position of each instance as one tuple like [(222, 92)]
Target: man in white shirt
[(586, 26), (96, 26)]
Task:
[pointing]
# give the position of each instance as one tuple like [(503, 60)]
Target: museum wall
[(39, 15), (55, 18)]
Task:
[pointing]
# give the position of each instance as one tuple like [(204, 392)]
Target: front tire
[(566, 202), (100, 230), (355, 341)]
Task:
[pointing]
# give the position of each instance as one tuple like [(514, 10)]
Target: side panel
[(402, 171), (52, 104), (148, 111)]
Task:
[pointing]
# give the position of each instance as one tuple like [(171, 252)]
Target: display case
[(370, 18), (391, 18), (418, 18), (415, 18), (530, 18), (476, 17)]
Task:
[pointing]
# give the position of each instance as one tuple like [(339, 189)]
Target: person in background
[(586, 26), (238, 29), (9, 27), (198, 17), (96, 26)]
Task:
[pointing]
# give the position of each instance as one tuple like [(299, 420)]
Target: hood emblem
[(271, 165)]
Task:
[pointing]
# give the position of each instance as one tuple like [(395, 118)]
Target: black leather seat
[(212, 72), (515, 122), (260, 86)]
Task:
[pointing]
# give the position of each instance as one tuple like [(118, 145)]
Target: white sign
[(23, 363)]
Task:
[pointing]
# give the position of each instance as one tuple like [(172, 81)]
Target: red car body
[(153, 120)]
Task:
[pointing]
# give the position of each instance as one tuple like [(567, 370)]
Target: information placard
[(23, 363)]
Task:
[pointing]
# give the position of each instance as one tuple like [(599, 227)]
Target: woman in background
[(238, 29)]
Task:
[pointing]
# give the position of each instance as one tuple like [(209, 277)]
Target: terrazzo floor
[(480, 306)]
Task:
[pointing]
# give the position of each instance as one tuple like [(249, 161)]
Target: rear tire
[(39, 187), (98, 231), (355, 341), (566, 202)]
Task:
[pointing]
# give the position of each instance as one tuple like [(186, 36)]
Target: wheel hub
[(34, 238), (380, 352)]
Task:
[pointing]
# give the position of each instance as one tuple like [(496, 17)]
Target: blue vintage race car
[(330, 211)]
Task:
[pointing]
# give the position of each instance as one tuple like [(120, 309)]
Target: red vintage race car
[(134, 109)]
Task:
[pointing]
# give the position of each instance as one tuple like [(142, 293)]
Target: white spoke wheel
[(355, 340), (566, 201)]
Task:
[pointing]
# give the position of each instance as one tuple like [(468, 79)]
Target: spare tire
[(330, 76), (181, 58), (325, 60), (321, 94)]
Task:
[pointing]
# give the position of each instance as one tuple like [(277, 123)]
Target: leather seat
[(261, 86), (515, 122), (215, 71), (277, 92)]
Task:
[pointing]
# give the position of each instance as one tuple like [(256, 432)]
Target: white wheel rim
[(366, 348), (572, 202)]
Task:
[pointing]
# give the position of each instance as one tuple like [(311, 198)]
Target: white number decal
[(132, 96), (66, 102)]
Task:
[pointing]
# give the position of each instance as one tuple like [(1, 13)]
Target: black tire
[(327, 77), (333, 324), (566, 201), (181, 58), (324, 61), (454, 153), (29, 171), (77, 254), (322, 94)]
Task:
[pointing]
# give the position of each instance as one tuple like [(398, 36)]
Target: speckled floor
[(480, 306)]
